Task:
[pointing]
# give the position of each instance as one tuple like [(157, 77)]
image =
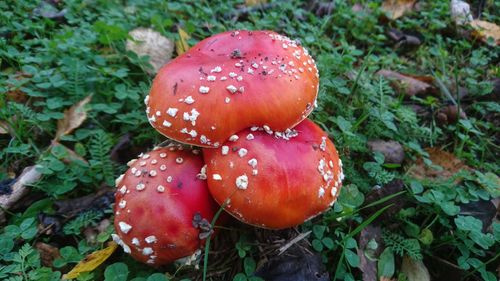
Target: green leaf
[(468, 223), (386, 266), (319, 231), (416, 187), (328, 242), (352, 258), (116, 272), (157, 277), (317, 245), (240, 277), (249, 265)]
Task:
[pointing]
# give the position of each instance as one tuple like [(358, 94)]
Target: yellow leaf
[(250, 3), (396, 8), (486, 29), (91, 261), (181, 45), (73, 118)]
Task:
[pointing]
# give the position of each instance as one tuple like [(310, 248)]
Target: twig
[(293, 241)]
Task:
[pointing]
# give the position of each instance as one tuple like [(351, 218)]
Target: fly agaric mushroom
[(163, 207), (229, 82), (275, 179)]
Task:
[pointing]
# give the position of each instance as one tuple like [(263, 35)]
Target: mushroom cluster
[(243, 96)]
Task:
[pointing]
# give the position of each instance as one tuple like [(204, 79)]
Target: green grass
[(53, 64)]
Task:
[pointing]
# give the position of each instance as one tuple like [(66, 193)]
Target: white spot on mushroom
[(163, 155), (233, 138), (232, 74), (225, 150), (135, 241), (241, 89), (124, 227), (321, 192), (252, 162), (231, 89), (169, 179), (160, 188), (179, 160), (166, 123), (242, 152), (330, 163), (172, 111), (254, 65), (126, 248), (152, 173), (211, 78), (123, 189), (119, 180), (122, 204), (239, 78), (146, 156), (140, 186), (154, 161), (189, 100), (142, 163), (146, 100), (250, 137), (227, 99), (203, 173), (217, 177), (217, 69), (322, 146), (204, 90), (193, 133), (255, 172), (223, 78), (250, 71), (242, 182), (147, 251), (138, 173), (131, 162), (150, 239), (334, 191), (158, 113)]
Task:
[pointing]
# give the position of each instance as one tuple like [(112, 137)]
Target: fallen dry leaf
[(485, 30), (409, 84), (29, 176), (449, 163), (48, 253), (181, 45), (71, 155), (415, 270), (250, 3), (91, 261), (397, 8), (73, 118), (4, 128), (147, 42)]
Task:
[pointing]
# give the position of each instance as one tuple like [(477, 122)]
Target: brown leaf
[(409, 84), (415, 270), (449, 163), (48, 253), (92, 261), (148, 42), (250, 3), (71, 155), (73, 118), (181, 46), (4, 128), (484, 30), (397, 8)]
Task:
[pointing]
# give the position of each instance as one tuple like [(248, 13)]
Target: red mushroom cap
[(275, 180), (232, 81), (163, 208)]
